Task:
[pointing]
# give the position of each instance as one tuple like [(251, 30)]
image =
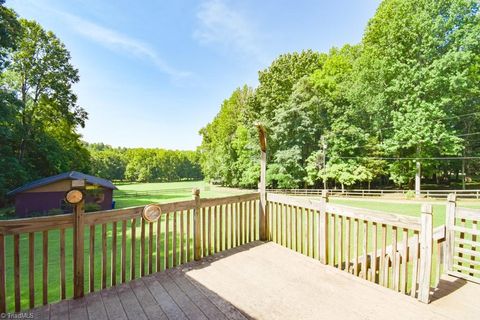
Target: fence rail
[(85, 252), (466, 194)]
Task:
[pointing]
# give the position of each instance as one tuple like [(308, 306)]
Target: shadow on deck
[(263, 281)]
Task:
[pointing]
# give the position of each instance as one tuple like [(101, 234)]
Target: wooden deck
[(263, 281)]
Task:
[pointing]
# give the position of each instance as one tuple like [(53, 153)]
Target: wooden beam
[(262, 185), (78, 250), (426, 252), (197, 254)]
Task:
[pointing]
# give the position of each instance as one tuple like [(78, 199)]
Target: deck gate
[(462, 240)]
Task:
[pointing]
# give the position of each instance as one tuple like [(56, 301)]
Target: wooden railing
[(392, 250), (465, 194), (46, 259), (462, 241)]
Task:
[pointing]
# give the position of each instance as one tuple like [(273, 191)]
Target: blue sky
[(153, 73)]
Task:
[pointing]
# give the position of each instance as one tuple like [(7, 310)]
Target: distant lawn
[(410, 209), (167, 192)]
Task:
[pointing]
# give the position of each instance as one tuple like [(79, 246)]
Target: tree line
[(144, 165), (40, 116), (365, 113)]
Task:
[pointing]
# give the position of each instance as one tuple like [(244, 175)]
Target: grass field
[(410, 208), (138, 193), (168, 192)]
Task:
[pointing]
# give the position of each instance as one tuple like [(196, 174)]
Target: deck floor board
[(263, 281)]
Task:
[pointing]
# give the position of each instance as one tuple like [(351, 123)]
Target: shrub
[(410, 194), (91, 207)]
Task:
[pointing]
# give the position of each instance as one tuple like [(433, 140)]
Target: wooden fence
[(442, 194), (85, 252), (392, 250)]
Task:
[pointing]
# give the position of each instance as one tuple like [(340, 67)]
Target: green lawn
[(167, 192)]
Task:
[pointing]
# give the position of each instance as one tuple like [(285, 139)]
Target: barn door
[(462, 241)]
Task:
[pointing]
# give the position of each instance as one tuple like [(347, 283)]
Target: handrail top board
[(468, 213), (381, 217), (25, 225)]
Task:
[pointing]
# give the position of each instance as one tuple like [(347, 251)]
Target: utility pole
[(324, 146), (463, 173), (418, 175)]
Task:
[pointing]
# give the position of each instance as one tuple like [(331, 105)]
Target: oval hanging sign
[(151, 212), (74, 196)]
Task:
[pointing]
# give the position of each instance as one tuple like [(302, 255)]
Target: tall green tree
[(41, 76)]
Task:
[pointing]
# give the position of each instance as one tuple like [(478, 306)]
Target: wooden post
[(197, 248), (262, 185), (449, 232), (78, 250), (426, 252), (323, 232)]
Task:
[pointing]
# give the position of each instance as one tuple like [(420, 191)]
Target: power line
[(444, 118), (468, 134), (411, 158)]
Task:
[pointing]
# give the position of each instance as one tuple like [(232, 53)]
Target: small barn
[(47, 195)]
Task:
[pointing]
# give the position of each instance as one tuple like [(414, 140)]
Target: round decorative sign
[(74, 196), (151, 212)]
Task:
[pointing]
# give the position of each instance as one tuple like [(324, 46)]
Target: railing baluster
[(189, 257), (403, 285), (45, 267), (374, 252), (63, 292), (31, 268), (238, 215), (222, 228), (150, 247), (114, 254), (215, 230), (182, 237), (3, 298), (297, 244), (142, 248), (209, 235), (174, 240), (124, 250), (394, 258), (332, 241), (166, 234), (92, 259), (16, 272), (383, 262), (355, 247), (314, 236), (133, 256), (340, 242), (104, 256), (347, 243), (365, 250), (413, 290), (245, 221)]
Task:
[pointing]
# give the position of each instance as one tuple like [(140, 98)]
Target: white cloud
[(222, 25), (119, 42)]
